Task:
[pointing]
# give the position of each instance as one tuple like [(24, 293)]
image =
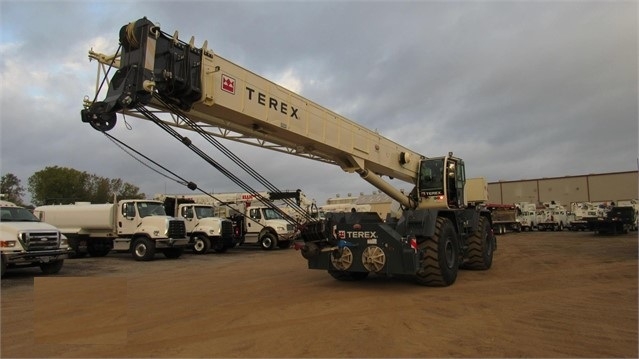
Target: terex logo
[(273, 103), (361, 234), (228, 84)]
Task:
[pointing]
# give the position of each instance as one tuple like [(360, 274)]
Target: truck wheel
[(172, 253), (52, 267), (480, 247), (143, 249), (201, 244), (440, 259), (268, 241), (98, 249), (347, 276), (220, 247)]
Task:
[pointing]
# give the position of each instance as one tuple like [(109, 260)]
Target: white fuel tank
[(79, 217)]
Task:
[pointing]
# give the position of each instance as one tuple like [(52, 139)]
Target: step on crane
[(442, 227)]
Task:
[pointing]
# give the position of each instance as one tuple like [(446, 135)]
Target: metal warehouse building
[(603, 187)]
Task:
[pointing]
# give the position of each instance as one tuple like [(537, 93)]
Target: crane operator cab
[(441, 182)]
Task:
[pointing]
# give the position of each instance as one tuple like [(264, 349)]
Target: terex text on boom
[(273, 103)]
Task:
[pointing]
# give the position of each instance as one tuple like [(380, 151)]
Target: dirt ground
[(569, 294)]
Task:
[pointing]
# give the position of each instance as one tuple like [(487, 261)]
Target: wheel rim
[(199, 245), (373, 258), (450, 254), (344, 261), (267, 242), (140, 250)]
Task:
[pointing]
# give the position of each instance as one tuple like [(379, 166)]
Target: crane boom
[(217, 92)]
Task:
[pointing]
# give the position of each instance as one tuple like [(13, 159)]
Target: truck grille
[(290, 227), (177, 229), (40, 241), (227, 229)]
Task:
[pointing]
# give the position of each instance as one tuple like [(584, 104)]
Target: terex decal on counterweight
[(356, 234)]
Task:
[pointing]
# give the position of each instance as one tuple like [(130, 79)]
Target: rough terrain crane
[(439, 230)]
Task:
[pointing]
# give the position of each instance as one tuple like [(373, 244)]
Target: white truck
[(259, 224), (25, 241), (140, 227), (253, 221), (527, 215), (553, 217), (585, 215), (205, 230)]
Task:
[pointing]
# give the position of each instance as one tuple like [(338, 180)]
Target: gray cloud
[(518, 89)]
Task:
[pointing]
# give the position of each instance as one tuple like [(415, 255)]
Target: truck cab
[(527, 215), (205, 230), (263, 226), (25, 241)]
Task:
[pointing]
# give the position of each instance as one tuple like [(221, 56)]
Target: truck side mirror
[(187, 213), (128, 211)]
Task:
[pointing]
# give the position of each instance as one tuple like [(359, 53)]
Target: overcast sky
[(518, 89)]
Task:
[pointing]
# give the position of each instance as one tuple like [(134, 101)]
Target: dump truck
[(204, 228), (504, 217), (25, 241), (140, 227), (439, 231)]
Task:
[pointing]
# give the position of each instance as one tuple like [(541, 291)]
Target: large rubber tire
[(98, 249), (268, 241), (52, 267), (173, 253), (219, 246), (480, 247), (440, 261), (201, 244), (143, 249), (348, 276)]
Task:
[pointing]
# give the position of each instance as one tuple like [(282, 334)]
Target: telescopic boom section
[(215, 91)]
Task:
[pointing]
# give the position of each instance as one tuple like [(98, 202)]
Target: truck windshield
[(431, 176), (150, 209), (17, 214), (270, 213), (204, 212)]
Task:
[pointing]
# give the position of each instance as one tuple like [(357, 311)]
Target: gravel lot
[(568, 294)]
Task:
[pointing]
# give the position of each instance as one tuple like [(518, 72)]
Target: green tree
[(11, 188), (129, 191), (66, 185)]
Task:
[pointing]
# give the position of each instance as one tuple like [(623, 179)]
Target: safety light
[(412, 241)]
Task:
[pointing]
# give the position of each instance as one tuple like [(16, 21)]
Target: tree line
[(63, 185)]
